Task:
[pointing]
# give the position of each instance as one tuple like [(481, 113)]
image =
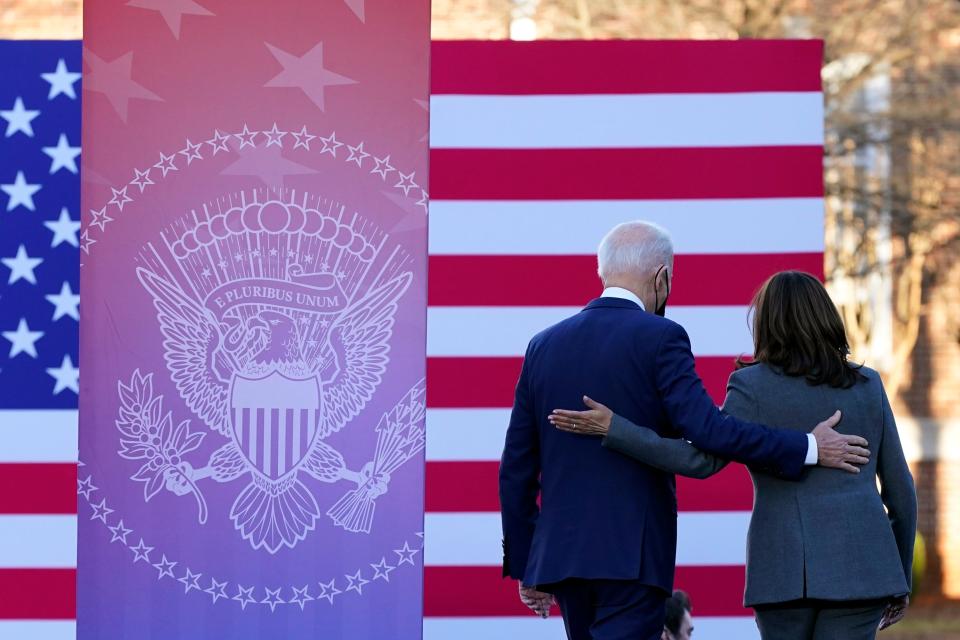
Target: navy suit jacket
[(602, 515)]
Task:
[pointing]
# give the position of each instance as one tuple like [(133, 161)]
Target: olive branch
[(146, 433)]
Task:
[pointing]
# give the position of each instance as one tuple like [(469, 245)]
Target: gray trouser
[(820, 620)]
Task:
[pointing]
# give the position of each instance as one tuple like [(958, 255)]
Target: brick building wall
[(41, 19)]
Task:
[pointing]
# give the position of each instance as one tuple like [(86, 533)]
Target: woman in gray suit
[(828, 557)]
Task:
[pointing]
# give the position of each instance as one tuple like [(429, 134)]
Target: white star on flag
[(23, 340), (68, 377), (306, 73), (20, 192), (19, 118), (21, 266), (64, 229), (61, 81), (62, 156), (66, 303), (172, 11)]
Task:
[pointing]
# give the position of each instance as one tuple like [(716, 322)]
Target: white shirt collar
[(623, 294)]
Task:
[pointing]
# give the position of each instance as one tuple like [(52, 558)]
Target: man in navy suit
[(602, 540)]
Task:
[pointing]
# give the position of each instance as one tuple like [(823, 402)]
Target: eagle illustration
[(277, 382)]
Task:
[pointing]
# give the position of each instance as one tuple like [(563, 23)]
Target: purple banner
[(253, 329)]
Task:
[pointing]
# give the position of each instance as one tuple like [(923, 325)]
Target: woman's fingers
[(573, 415)]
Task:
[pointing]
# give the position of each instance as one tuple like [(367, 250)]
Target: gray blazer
[(827, 536)]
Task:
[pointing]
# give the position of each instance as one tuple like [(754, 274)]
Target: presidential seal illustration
[(276, 317)]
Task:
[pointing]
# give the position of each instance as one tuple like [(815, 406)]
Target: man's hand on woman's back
[(837, 450)]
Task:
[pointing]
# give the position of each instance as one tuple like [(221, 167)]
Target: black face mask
[(661, 307)]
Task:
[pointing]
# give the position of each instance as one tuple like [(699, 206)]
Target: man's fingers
[(855, 441), (859, 451), (832, 421), (848, 467), (854, 459)]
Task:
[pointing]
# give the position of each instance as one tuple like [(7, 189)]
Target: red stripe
[(480, 591), (38, 594), (38, 488), (617, 174), (571, 280), (488, 383), (471, 487), (591, 67)]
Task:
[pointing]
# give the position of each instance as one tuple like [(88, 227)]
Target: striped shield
[(274, 420)]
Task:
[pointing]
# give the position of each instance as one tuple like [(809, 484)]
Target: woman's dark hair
[(797, 328), (676, 605)]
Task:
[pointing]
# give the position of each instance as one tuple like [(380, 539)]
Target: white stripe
[(533, 628), (282, 442), (38, 436), (715, 538), (505, 331), (38, 542), (38, 629), (575, 227), (268, 427), (466, 434), (608, 121)]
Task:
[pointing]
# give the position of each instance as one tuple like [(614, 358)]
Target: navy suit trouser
[(610, 609)]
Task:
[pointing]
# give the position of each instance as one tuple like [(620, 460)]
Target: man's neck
[(614, 291)]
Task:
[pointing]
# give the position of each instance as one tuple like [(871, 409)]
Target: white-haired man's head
[(637, 256)]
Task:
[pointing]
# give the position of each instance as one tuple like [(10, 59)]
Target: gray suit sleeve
[(667, 454), (897, 490)]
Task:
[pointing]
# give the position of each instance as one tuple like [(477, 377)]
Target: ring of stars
[(21, 192), (296, 595)]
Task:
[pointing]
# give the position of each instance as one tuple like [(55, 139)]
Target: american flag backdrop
[(39, 229), (537, 149)]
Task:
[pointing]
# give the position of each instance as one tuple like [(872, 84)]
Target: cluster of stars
[(17, 122)]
